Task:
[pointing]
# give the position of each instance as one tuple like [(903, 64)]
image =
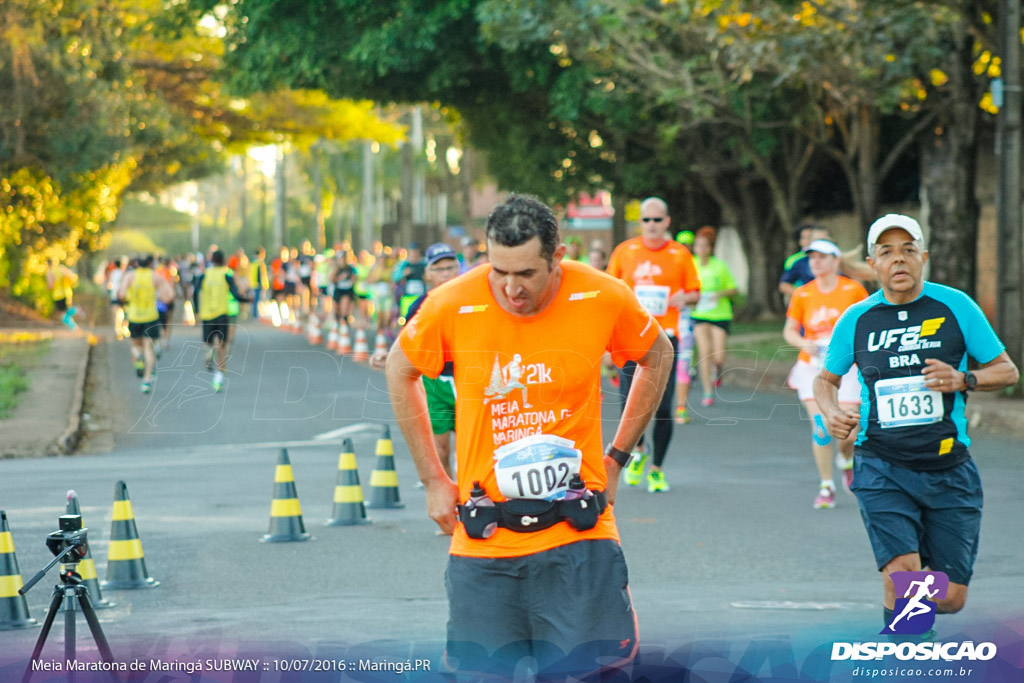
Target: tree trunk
[(466, 171), (869, 134), (948, 176), (619, 216), (747, 205)]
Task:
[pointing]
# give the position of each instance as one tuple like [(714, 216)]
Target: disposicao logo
[(914, 613)]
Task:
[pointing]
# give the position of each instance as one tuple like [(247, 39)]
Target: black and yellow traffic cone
[(285, 512), (126, 565), (13, 607), (349, 509), (87, 567), (384, 480)]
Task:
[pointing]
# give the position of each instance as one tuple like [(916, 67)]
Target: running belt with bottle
[(540, 477)]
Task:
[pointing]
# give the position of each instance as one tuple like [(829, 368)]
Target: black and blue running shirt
[(901, 420)]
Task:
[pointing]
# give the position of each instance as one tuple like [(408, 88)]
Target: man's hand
[(612, 470), (442, 499), (841, 422), (682, 299), (607, 363), (378, 360), (942, 377)]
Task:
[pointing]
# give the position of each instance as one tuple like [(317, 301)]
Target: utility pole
[(1010, 284), (320, 236), (243, 204), (366, 207), (197, 205), (280, 199)]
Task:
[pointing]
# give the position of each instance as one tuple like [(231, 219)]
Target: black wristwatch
[(971, 381), (621, 457)]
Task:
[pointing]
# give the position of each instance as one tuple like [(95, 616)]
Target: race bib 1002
[(654, 298), (906, 402), (537, 467)]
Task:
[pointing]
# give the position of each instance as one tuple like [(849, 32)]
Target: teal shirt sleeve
[(839, 357), (982, 342)]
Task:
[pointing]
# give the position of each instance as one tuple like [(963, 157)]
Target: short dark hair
[(521, 218), (799, 230), (217, 257), (146, 261)]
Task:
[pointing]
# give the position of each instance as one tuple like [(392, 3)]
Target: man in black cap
[(441, 265)]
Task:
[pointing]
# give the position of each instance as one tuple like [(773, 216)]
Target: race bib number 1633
[(906, 402)]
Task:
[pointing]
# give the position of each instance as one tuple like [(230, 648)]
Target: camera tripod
[(72, 593)]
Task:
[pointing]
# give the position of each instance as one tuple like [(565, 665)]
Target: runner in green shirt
[(712, 316)]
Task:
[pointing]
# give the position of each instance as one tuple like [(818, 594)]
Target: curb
[(68, 441)]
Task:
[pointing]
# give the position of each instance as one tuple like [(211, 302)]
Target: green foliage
[(14, 358), (12, 383), (106, 96)]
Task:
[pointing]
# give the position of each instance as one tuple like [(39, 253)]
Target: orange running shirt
[(817, 311), (520, 376), (655, 275)]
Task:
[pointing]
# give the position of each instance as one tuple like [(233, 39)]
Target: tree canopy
[(113, 96)]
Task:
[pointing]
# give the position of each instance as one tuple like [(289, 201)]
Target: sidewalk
[(47, 419)]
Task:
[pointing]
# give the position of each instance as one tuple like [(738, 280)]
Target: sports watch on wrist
[(619, 456), (970, 381)]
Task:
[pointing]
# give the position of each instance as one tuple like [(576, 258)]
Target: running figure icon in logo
[(504, 380), (915, 611)]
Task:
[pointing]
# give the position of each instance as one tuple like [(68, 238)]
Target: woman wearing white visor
[(813, 311)]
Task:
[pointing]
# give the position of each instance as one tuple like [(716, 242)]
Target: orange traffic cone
[(87, 566), (285, 511), (384, 479), (349, 509), (13, 607), (332, 334), (380, 343), (361, 350), (344, 341), (311, 328), (126, 565)]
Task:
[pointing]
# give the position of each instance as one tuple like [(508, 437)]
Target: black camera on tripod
[(71, 537), (68, 544)]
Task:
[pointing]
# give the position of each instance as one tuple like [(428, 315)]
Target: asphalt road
[(733, 555)]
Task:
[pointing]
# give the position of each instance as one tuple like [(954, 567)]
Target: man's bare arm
[(645, 393), (409, 401)]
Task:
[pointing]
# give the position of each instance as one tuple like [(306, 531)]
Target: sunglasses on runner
[(653, 219)]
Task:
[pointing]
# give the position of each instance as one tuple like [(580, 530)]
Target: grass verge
[(18, 352)]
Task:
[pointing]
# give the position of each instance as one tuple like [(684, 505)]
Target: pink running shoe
[(826, 499), (846, 467)]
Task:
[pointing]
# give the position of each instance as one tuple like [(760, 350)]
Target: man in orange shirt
[(534, 556), (662, 274)]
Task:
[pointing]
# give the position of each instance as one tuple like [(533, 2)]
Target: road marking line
[(347, 431), (791, 605)]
